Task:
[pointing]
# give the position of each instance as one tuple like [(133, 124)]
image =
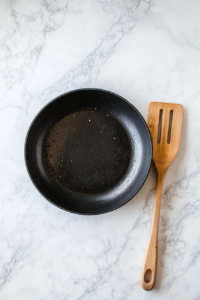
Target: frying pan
[(88, 151)]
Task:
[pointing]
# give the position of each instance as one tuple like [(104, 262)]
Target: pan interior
[(87, 151)]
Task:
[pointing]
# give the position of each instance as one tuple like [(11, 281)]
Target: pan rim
[(78, 90)]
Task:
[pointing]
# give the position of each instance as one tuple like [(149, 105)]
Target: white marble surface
[(144, 51)]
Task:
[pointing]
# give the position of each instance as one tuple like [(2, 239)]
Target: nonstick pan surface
[(88, 151)]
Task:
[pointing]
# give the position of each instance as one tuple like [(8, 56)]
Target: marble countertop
[(144, 51)]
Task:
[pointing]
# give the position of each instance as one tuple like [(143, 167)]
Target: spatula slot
[(159, 126), (170, 127)]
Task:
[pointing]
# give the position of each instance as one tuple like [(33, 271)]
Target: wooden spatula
[(165, 124)]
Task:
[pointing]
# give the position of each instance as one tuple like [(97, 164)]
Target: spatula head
[(165, 125)]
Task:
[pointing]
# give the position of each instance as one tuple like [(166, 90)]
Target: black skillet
[(88, 151)]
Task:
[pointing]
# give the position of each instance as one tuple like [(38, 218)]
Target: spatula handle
[(148, 274)]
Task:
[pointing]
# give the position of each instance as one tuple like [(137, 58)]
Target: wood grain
[(163, 155)]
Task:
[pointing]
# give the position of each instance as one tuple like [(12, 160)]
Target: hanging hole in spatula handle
[(147, 279), (148, 275)]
